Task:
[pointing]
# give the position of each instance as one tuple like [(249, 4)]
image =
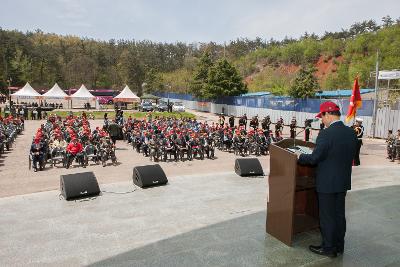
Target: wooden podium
[(292, 201)]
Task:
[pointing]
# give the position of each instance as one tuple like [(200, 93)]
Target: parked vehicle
[(178, 107), (162, 106), (146, 106)]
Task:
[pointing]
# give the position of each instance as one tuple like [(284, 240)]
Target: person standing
[(254, 122), (113, 130), (359, 129), (333, 154), (39, 112), (221, 120), (232, 121), (293, 125), (33, 114), (390, 147), (265, 124), (25, 112), (243, 121), (307, 126)]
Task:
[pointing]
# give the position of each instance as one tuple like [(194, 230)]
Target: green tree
[(224, 80), (304, 84), (200, 79), (154, 81), (387, 21), (131, 70)]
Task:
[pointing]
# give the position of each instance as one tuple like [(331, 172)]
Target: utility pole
[(376, 94), (9, 91)]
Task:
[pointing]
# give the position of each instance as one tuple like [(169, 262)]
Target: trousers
[(332, 220), (357, 155)]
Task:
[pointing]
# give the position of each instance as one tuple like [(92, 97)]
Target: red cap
[(327, 107)]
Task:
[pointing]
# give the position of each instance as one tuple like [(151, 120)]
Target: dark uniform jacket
[(114, 129), (333, 155)]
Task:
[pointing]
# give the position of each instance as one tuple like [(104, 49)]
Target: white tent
[(55, 93), (83, 93), (26, 92), (127, 96), (83, 96)]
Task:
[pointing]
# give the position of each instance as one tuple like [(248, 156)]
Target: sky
[(190, 21)]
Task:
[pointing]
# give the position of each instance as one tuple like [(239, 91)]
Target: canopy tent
[(83, 96), (83, 93), (26, 92), (55, 93), (126, 96)]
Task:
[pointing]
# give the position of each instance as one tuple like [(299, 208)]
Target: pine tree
[(224, 80), (304, 84), (200, 79)]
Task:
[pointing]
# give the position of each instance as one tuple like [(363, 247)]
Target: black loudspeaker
[(149, 175), (79, 185), (248, 167)]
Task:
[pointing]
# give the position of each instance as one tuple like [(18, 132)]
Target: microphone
[(305, 128), (294, 139)]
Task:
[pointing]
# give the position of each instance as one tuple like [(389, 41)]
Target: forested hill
[(267, 65)]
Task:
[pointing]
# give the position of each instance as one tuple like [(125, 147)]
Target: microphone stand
[(294, 139)]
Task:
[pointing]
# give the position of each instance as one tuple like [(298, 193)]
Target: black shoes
[(321, 251)]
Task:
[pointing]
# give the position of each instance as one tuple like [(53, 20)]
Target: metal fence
[(310, 105), (387, 119), (287, 108)]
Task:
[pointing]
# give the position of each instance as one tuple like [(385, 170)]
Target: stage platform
[(195, 220)]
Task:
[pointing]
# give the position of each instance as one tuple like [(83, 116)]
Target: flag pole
[(376, 95), (355, 110)]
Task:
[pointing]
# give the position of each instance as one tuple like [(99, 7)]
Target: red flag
[(355, 101)]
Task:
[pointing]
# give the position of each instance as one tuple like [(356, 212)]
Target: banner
[(389, 75)]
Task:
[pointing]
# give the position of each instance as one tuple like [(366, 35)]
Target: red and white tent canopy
[(127, 96)]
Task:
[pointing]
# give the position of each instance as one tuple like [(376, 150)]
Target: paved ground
[(17, 179), (205, 216), (208, 220)]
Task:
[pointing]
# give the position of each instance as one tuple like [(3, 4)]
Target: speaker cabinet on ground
[(79, 185), (149, 175), (248, 167)]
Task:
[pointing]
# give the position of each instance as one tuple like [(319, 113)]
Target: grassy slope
[(336, 62)]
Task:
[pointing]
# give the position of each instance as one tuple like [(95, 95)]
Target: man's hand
[(298, 153)]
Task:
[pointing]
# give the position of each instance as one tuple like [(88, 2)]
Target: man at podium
[(333, 155)]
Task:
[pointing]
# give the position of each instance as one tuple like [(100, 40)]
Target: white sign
[(389, 74)]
